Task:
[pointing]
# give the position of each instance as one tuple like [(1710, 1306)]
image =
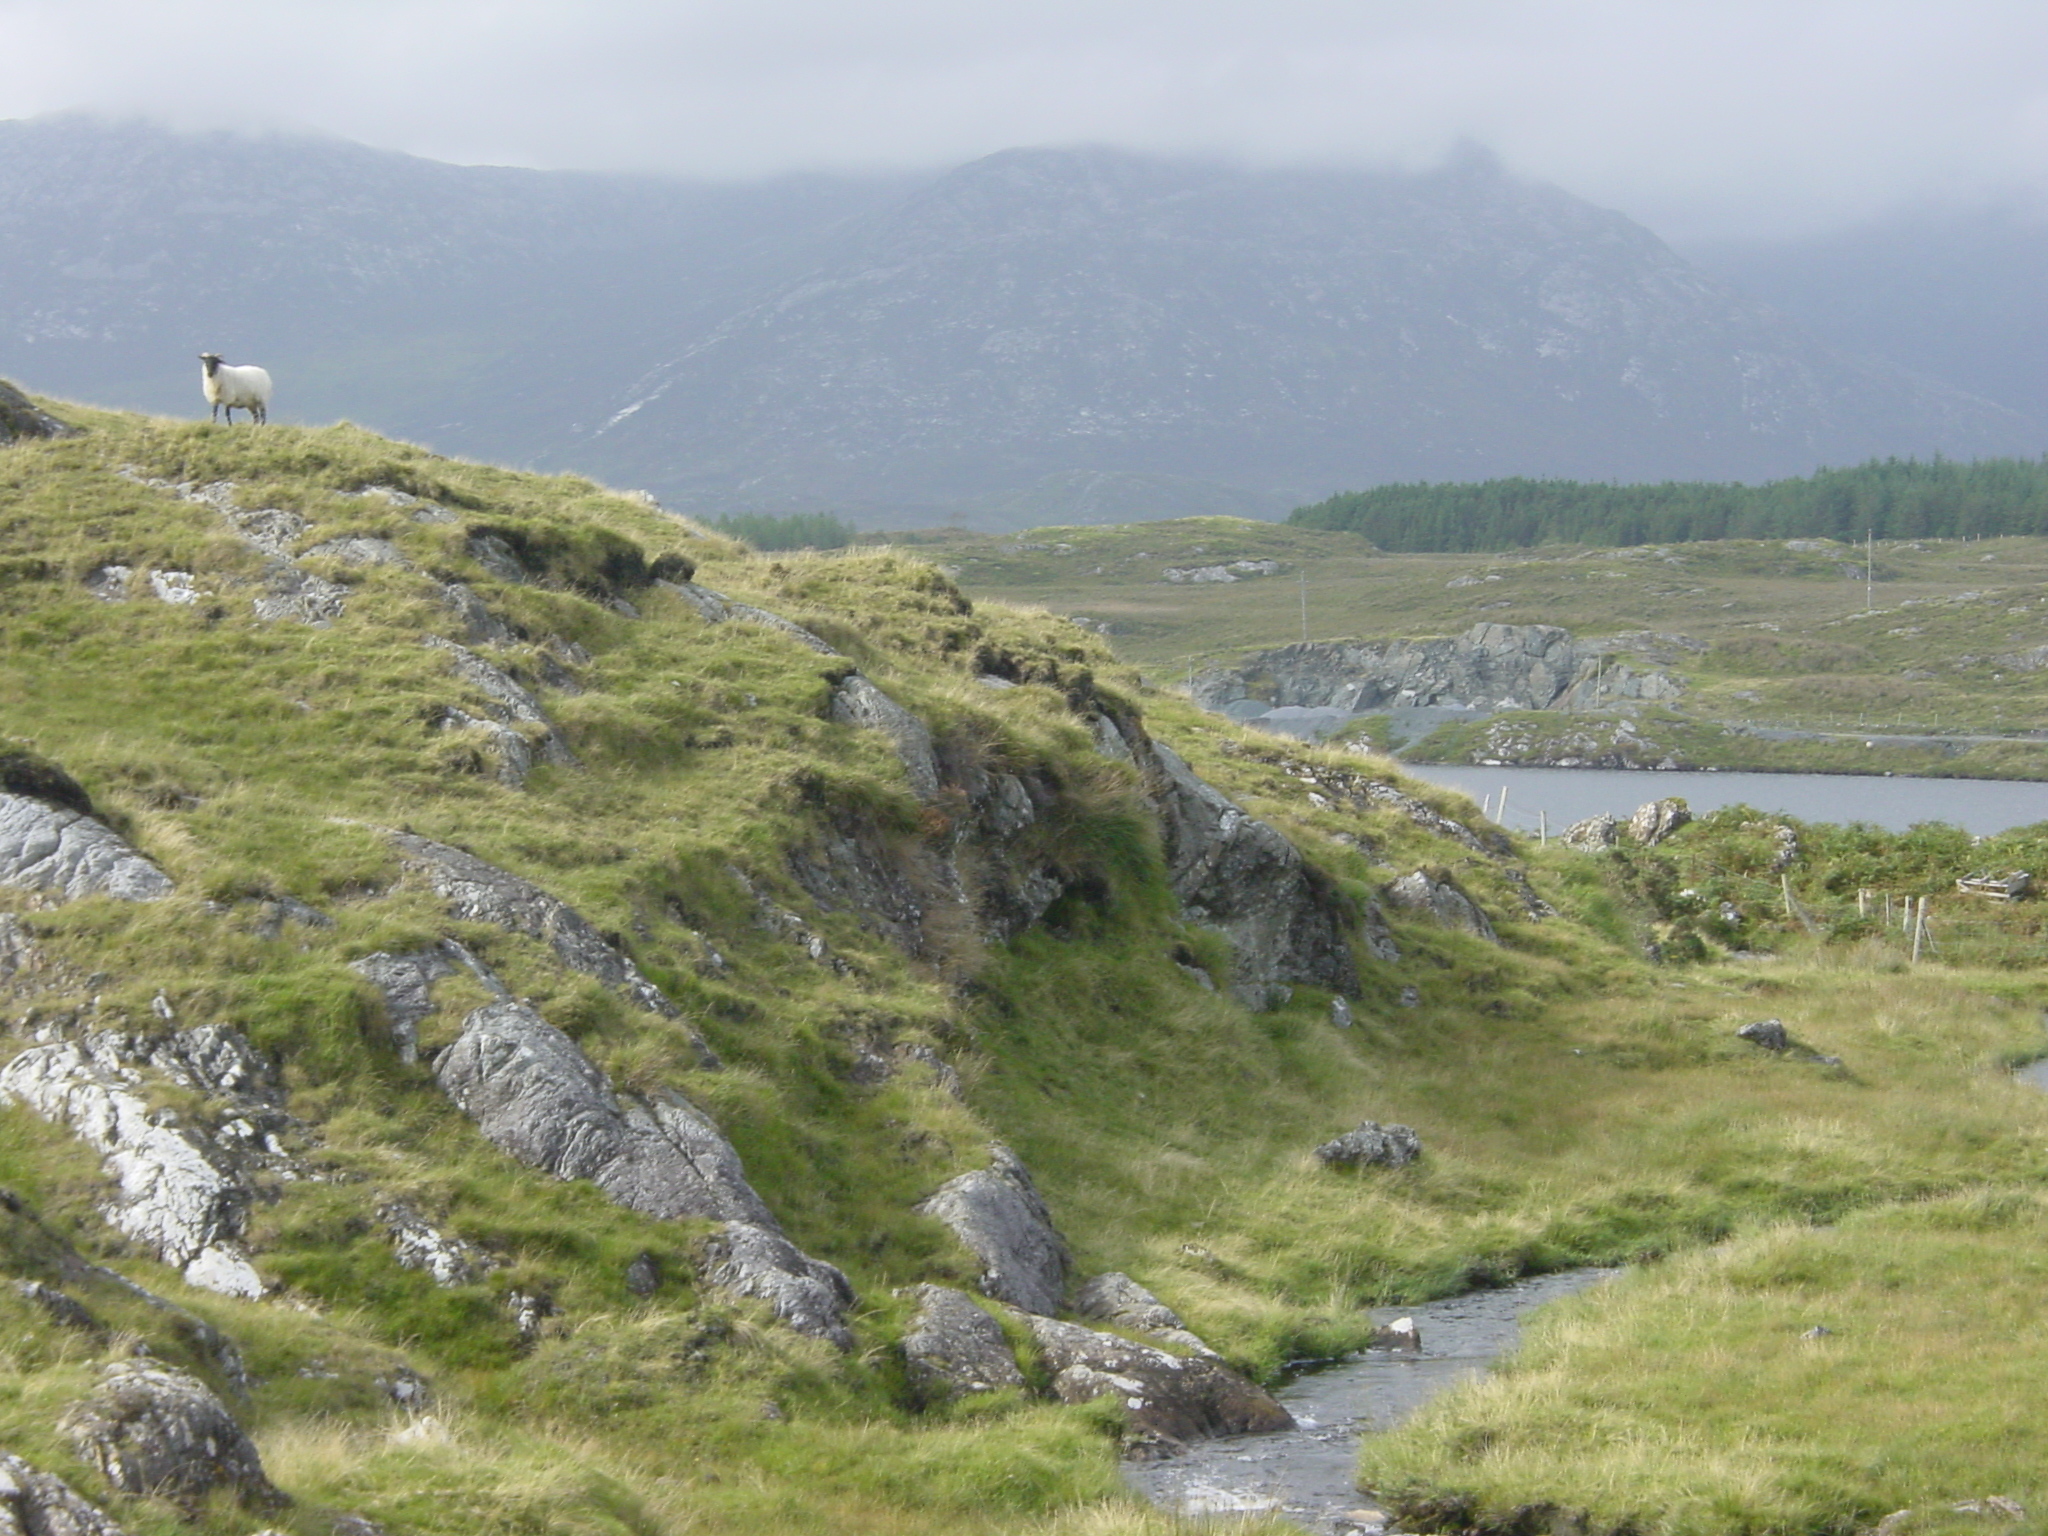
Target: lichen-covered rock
[(1282, 915), (998, 1217), (36, 1503), (418, 1244), (48, 848), (181, 1188), (534, 1094), (1657, 820), (152, 1430), (477, 891), (811, 1296), (954, 1348), (1592, 834), (1438, 894), (1171, 1397), (1371, 1145), (858, 702), (1117, 1299)]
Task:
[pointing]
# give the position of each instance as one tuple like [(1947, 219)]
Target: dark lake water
[(1561, 796), (1309, 1474)]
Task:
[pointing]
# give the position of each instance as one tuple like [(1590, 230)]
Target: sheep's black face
[(211, 359)]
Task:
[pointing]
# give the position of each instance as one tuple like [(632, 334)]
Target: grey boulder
[(1117, 1299), (811, 1296), (954, 1348), (858, 702), (1371, 1145), (152, 1430), (1657, 820), (1592, 834), (998, 1217), (49, 848), (1770, 1034), (1437, 894), (1163, 1396), (36, 1503)]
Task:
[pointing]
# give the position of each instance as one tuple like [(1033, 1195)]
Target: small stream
[(1308, 1474)]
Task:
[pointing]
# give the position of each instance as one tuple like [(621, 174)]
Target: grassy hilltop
[(1576, 1102)]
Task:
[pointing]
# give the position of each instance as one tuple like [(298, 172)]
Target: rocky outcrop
[(1490, 666), (21, 418), (534, 1094), (1282, 915), (716, 608), (1593, 834), (954, 1348), (858, 702), (1371, 1145), (406, 983), (48, 848), (184, 1188), (1770, 1034), (509, 706), (1117, 1299), (1657, 820), (998, 1217), (152, 1430), (1437, 893), (480, 892), (1165, 1397), (36, 1503), (418, 1244)]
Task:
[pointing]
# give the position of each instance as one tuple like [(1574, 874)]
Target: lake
[(1560, 796)]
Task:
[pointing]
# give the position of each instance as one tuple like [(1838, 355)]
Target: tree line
[(1893, 498)]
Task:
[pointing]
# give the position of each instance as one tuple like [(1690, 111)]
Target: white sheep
[(227, 388)]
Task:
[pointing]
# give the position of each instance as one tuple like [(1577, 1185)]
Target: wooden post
[(1501, 815), (1863, 901), (1542, 829), (1919, 927)]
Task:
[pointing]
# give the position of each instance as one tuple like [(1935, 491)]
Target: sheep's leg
[(216, 413), (262, 414)]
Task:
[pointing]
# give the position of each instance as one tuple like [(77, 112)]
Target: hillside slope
[(561, 1018)]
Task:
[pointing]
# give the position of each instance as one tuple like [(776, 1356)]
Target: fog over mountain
[(1078, 334)]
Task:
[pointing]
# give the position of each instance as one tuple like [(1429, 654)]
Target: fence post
[(1919, 927)]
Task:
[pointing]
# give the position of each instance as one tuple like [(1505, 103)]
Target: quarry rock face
[(36, 1503), (953, 1347), (153, 1430), (1489, 666), (1174, 1398), (534, 1094), (50, 849), (999, 1218)]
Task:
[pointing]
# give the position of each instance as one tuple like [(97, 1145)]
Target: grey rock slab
[(1234, 872), (479, 624), (534, 1094), (1117, 1299), (477, 891), (511, 703), (758, 1262), (512, 751), (997, 1215), (65, 1311), (418, 1244), (152, 1430), (1437, 895), (953, 1347), (1770, 1034), (716, 608), (858, 702), (21, 418), (293, 594), (358, 551), (36, 1503), (407, 983), (1177, 1398), (1371, 1145), (46, 848), (176, 1188)]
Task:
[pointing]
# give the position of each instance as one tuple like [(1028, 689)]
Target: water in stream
[(1308, 1474)]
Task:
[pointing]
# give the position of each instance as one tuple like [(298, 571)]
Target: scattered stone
[(407, 983), (417, 1244), (1371, 1145), (1657, 820), (1997, 1506), (1436, 892), (358, 551), (407, 1388), (1400, 1335), (1818, 1331), (64, 1311), (109, 583), (36, 1503), (1593, 834), (954, 1348), (47, 848), (643, 1275), (1411, 997), (152, 1430), (1168, 1397), (997, 1215), (1767, 1033), (529, 1311), (1340, 1013)]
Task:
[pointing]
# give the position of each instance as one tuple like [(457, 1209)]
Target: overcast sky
[(1699, 117)]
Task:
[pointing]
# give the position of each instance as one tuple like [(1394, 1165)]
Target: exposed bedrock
[(1117, 1299), (36, 1503), (53, 849), (1492, 666), (153, 1430), (534, 1094), (998, 1217), (1436, 893), (1165, 1397), (954, 1348)]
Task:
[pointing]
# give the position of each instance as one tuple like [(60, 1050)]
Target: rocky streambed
[(1308, 1474)]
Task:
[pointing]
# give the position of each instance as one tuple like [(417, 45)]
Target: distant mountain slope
[(1042, 312), (1044, 335)]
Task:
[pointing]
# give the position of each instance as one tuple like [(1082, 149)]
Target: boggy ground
[(1576, 1103)]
